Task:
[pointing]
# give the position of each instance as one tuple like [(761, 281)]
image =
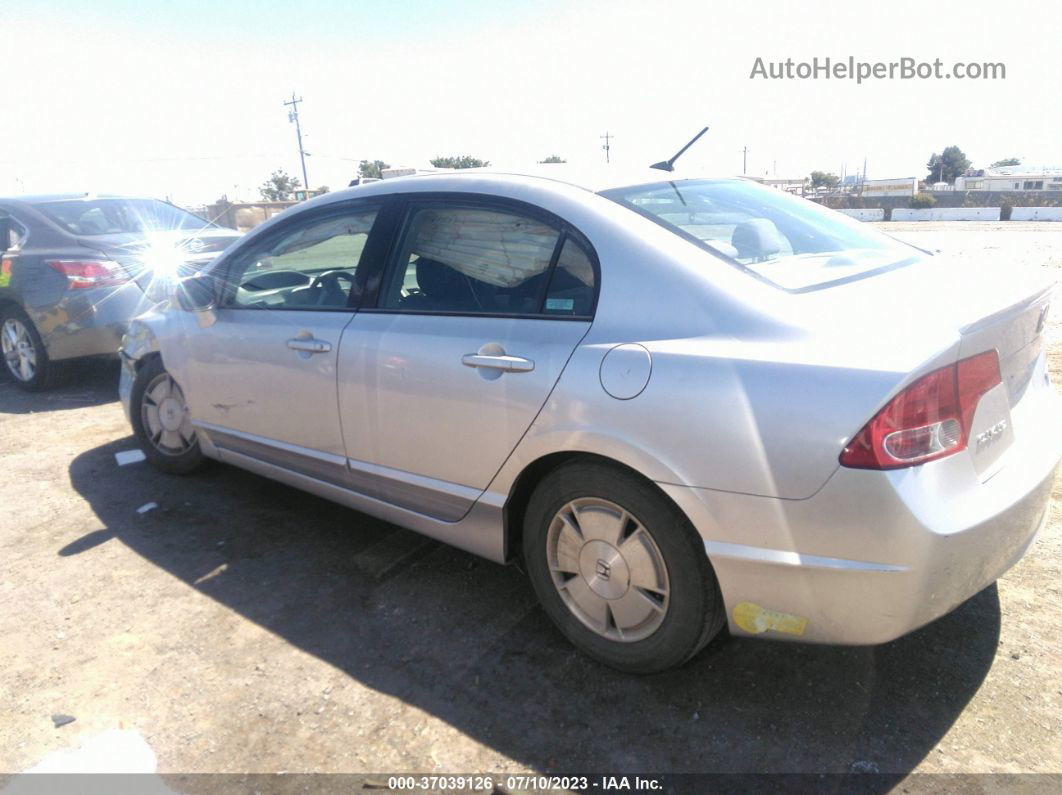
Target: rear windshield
[(87, 217), (793, 243)]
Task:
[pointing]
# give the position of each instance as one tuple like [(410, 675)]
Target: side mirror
[(198, 294), (5, 233)]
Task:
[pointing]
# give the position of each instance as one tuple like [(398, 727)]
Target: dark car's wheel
[(25, 357), (619, 569), (161, 421)]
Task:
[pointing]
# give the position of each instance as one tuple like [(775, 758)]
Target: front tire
[(619, 569), (25, 357), (161, 421)]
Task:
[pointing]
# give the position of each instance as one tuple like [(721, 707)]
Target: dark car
[(77, 268)]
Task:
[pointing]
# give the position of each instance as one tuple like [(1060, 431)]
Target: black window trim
[(404, 206), (223, 268)]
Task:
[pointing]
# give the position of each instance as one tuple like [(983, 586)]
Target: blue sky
[(184, 98)]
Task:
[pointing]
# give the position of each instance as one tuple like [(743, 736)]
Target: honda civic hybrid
[(682, 403)]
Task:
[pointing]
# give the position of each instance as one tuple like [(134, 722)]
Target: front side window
[(312, 266), (472, 260), (791, 242)]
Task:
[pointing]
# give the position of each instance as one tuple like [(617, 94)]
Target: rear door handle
[(309, 345), (505, 363)]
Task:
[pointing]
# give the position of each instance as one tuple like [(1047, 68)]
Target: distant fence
[(947, 214), (1036, 214)]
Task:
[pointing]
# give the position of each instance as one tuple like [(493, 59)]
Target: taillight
[(90, 273), (930, 419)]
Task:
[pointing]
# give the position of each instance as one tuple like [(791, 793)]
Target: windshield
[(791, 242), (87, 217)]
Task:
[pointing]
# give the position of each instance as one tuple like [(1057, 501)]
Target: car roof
[(593, 178)]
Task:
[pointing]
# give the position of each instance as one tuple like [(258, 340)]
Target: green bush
[(922, 201)]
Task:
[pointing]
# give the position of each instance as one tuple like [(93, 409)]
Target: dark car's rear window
[(88, 217), (790, 242)]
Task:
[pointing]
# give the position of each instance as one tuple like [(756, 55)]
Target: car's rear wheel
[(161, 421), (619, 569), (25, 357)]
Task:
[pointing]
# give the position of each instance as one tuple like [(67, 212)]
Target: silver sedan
[(683, 403)]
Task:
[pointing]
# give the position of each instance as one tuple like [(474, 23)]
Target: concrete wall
[(1036, 214), (947, 214), (865, 214)]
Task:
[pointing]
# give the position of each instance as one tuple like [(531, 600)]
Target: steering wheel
[(328, 284)]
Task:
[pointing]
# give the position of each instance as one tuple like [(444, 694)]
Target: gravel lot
[(243, 626)]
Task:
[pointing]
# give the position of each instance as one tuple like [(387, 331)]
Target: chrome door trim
[(304, 460), (439, 499)]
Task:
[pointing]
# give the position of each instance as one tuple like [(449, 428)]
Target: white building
[(1024, 178)]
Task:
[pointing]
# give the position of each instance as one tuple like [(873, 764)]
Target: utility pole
[(606, 137), (293, 116), (745, 160)]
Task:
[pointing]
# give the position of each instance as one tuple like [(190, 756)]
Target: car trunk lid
[(929, 305)]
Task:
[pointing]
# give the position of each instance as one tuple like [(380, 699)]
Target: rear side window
[(472, 260), (571, 286)]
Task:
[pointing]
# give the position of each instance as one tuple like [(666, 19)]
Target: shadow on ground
[(89, 382), (463, 640)]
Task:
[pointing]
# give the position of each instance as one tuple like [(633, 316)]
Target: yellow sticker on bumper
[(755, 619)]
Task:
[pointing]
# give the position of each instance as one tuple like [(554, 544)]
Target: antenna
[(669, 165)]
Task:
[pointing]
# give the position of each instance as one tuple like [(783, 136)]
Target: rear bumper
[(875, 555), (89, 322)]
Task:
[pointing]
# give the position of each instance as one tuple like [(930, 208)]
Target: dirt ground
[(242, 626)]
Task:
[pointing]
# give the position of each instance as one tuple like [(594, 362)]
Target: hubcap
[(165, 416), (19, 351), (608, 569)]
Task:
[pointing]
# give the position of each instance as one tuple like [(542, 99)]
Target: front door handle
[(310, 345), (505, 363)]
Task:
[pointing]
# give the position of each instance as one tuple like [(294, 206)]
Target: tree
[(553, 159), (372, 168), (948, 165), (459, 161), (323, 189), (1010, 161), (823, 179), (279, 186)]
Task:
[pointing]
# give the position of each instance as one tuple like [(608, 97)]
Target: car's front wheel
[(25, 357), (161, 421), (619, 569)]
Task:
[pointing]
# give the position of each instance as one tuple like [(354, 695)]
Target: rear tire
[(619, 569), (161, 421), (26, 360)]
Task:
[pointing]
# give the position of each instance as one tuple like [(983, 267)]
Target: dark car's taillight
[(90, 273), (930, 419)]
